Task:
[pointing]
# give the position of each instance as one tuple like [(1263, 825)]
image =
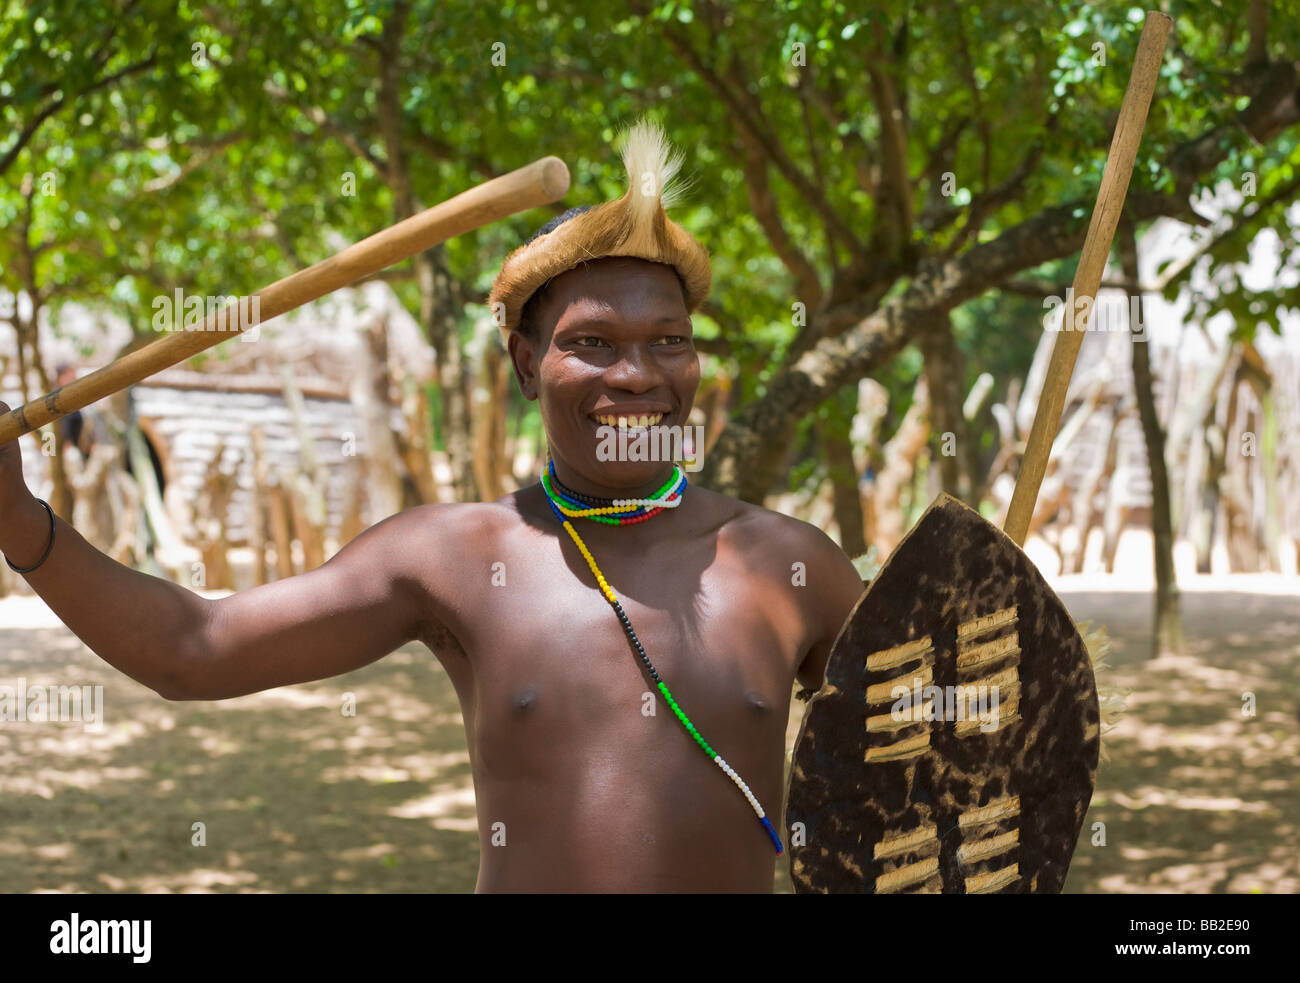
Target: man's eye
[(583, 341), (674, 339)]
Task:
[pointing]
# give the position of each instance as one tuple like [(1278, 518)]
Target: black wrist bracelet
[(44, 556)]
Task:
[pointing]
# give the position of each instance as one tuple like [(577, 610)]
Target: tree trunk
[(900, 455), (488, 425), (1258, 492), (1085, 512), (975, 413), (945, 380), (417, 454), (873, 403), (1215, 435), (834, 432), (440, 296), (1168, 633), (1272, 500), (29, 357), (438, 315), (1189, 418)]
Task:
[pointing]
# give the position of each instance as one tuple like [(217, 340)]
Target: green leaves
[(224, 167)]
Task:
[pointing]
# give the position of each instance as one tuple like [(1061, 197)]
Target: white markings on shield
[(988, 661), (981, 841), (917, 654), (923, 841), (983, 643)]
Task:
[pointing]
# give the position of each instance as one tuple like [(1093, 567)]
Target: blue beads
[(771, 832)]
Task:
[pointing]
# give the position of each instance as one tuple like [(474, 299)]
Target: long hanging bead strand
[(608, 592)]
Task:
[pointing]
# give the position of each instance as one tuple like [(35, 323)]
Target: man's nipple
[(525, 700)]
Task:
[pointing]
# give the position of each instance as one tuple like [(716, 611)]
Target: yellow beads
[(577, 513), (591, 562)]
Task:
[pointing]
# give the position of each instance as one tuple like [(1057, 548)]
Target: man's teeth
[(629, 422)]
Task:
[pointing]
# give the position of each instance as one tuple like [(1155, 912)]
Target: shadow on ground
[(293, 795), (296, 796), (1198, 797)]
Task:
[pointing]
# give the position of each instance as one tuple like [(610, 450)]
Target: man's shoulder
[(774, 538), (759, 525), (800, 554), (451, 522)]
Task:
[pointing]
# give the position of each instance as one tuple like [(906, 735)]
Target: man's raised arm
[(355, 609)]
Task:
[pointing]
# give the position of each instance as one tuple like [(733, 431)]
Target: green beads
[(686, 722)]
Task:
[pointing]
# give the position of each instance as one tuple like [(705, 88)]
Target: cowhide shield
[(985, 796)]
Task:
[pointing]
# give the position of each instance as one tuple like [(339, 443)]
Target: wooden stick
[(1092, 263), (539, 183)]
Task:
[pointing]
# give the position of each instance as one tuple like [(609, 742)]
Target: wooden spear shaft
[(1087, 278), (539, 183)]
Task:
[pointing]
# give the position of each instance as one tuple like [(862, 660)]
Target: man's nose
[(635, 368)]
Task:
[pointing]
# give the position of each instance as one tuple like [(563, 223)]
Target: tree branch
[(829, 102), (856, 340), (325, 122), (198, 157), (988, 201), (763, 204), (1257, 27), (29, 129), (390, 107), (1182, 271), (893, 227), (968, 72), (729, 325), (747, 114)]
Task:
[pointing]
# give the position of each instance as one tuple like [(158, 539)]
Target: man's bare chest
[(544, 654)]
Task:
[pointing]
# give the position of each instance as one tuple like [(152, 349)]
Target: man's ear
[(524, 359)]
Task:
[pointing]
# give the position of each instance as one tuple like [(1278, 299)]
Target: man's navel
[(756, 701)]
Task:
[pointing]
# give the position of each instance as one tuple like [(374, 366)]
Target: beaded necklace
[(567, 504)]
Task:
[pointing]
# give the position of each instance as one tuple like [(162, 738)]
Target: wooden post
[(354, 495), (210, 522), (370, 394), (307, 525), (257, 505), (306, 490), (278, 512)]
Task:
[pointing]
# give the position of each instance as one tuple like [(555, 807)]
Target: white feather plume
[(652, 169)]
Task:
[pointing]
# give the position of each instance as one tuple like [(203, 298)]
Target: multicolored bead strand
[(614, 511), (657, 502)]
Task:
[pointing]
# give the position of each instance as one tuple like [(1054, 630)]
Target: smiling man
[(624, 646)]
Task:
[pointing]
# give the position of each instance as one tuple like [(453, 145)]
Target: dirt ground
[(295, 796)]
